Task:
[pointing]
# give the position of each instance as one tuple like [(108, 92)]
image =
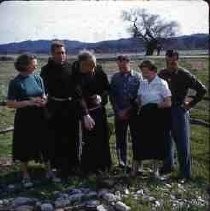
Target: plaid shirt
[(123, 89)]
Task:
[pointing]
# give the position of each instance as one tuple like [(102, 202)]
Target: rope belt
[(94, 108), (61, 99)]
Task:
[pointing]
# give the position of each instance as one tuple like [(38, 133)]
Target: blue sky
[(91, 21)]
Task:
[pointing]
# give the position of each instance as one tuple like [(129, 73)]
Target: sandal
[(51, 176), (27, 183)]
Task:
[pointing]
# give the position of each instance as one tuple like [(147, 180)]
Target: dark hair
[(23, 61), (171, 53), (123, 58), (149, 64), (56, 44)]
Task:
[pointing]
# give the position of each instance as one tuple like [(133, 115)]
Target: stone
[(101, 207), (157, 204), (24, 208), (76, 197), (91, 195), (172, 197), (46, 207), (85, 190), (56, 193), (127, 191), (63, 195), (11, 187), (140, 192), (120, 206), (61, 203), (19, 201), (102, 192), (92, 204), (109, 197), (151, 198), (74, 191), (118, 195), (6, 202), (168, 185)]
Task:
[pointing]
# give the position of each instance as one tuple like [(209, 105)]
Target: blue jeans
[(179, 130), (121, 128)]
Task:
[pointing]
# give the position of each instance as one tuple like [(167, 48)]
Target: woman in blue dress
[(26, 94)]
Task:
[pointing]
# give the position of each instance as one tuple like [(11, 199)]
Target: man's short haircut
[(56, 44), (86, 55), (123, 58), (172, 53), (23, 61), (149, 64)]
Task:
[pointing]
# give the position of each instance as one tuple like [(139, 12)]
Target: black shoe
[(125, 168), (122, 165), (166, 170), (183, 178)]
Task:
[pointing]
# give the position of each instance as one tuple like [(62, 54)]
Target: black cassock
[(63, 108), (95, 149)]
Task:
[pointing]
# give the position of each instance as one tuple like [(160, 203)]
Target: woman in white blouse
[(154, 99)]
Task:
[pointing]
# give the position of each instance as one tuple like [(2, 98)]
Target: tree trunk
[(151, 47)]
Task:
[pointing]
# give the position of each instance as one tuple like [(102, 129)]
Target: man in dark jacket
[(180, 81), (65, 104)]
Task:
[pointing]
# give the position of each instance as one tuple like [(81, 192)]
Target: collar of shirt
[(130, 73), (155, 80), (175, 71)]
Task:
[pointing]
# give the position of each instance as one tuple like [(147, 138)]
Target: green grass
[(5, 144), (196, 187)]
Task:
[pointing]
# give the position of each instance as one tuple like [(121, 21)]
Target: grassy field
[(199, 145)]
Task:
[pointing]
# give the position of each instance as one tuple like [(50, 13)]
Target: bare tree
[(149, 27)]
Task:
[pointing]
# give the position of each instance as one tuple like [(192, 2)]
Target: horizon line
[(92, 42)]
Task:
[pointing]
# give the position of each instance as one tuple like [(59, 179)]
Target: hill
[(190, 42)]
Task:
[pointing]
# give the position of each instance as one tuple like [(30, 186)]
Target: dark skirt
[(63, 123), (152, 122), (95, 151), (30, 136)]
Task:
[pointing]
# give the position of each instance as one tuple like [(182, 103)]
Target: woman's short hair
[(149, 64), (23, 61), (56, 44), (86, 55)]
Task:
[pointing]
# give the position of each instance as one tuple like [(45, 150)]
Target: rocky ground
[(116, 192)]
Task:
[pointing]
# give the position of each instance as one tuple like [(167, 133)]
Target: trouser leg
[(180, 132), (121, 142)]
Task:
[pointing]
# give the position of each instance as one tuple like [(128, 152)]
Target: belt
[(94, 108), (61, 99), (177, 103)]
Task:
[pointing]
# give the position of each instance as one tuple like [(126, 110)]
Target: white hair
[(85, 55)]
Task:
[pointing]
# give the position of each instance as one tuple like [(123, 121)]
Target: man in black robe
[(64, 107)]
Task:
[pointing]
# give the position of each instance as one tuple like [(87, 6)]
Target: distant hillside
[(191, 42)]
